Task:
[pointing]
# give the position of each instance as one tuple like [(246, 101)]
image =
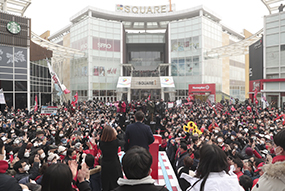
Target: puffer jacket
[(273, 178)]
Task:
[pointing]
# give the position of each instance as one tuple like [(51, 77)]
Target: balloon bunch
[(192, 126)]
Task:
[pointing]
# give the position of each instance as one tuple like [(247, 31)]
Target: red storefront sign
[(106, 44), (200, 89), (255, 84)]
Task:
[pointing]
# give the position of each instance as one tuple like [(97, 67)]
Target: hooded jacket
[(7, 183), (273, 178)]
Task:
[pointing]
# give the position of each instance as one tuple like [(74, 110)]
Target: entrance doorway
[(142, 94)]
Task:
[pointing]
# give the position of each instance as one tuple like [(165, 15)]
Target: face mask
[(36, 144), (232, 138), (11, 152), (276, 152), (39, 129), (25, 130), (236, 146), (26, 168), (27, 154), (64, 153), (220, 140), (12, 131), (53, 132), (43, 155), (61, 135), (216, 131)]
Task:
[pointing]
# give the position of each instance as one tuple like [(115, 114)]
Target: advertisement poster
[(180, 45), (101, 71), (166, 81), (95, 71), (124, 82)]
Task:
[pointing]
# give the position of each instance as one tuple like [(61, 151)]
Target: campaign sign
[(49, 110)]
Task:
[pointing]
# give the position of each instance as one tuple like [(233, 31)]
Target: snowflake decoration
[(19, 56)]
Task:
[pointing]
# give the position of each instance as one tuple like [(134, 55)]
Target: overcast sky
[(53, 15)]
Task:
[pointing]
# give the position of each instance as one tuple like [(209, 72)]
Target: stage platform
[(166, 175)]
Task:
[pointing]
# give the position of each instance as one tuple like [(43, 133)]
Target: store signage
[(201, 87), (258, 44), (146, 83), (124, 82), (145, 9), (13, 27), (104, 45), (166, 81)]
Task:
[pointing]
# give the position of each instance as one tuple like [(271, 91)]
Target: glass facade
[(274, 59), (186, 54), (40, 81), (175, 50), (97, 75), (13, 76)]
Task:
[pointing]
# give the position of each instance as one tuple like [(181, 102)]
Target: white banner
[(49, 110), (124, 82), (166, 81), (2, 98), (170, 104), (56, 80)]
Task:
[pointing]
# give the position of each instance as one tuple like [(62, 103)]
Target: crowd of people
[(239, 146)]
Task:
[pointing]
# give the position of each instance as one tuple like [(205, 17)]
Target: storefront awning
[(167, 81), (124, 82)]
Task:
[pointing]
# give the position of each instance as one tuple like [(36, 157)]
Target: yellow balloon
[(193, 126)]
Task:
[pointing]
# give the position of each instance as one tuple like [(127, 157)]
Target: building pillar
[(129, 95), (162, 93)]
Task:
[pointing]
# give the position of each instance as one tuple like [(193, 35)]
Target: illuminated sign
[(145, 9)]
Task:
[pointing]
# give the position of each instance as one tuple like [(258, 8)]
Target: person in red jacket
[(123, 107), (213, 125)]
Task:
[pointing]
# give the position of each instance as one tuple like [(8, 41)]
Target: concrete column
[(129, 95), (162, 93)]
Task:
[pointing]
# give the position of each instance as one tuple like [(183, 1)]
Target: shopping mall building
[(267, 62), (137, 51)]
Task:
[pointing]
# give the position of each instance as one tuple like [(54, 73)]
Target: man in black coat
[(136, 165), (138, 133)]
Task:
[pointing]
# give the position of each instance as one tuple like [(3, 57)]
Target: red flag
[(219, 106), (36, 103), (149, 97), (75, 100), (190, 97), (209, 103), (255, 94)]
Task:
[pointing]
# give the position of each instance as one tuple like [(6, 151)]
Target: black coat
[(138, 134), (7, 183), (111, 167), (179, 161), (141, 187)]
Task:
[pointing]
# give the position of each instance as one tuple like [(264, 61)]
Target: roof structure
[(59, 51), (272, 5), (242, 47), (133, 21), (15, 6), (236, 49)]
